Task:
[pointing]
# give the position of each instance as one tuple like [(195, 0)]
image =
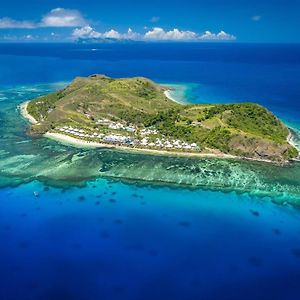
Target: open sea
[(89, 224)]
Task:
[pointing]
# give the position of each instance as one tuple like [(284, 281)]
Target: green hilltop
[(95, 103)]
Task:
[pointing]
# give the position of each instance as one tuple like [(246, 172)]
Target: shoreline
[(167, 94), (67, 140), (25, 114), (290, 140), (291, 137)]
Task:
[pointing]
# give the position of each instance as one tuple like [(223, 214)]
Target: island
[(137, 114)]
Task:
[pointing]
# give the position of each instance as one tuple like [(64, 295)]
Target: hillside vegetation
[(245, 129)]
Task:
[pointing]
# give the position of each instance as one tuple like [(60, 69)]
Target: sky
[(267, 21)]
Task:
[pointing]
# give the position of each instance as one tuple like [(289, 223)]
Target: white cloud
[(256, 18), (87, 32), (154, 19), (112, 34), (133, 35), (129, 35), (159, 34), (61, 17), (221, 36), (11, 23), (155, 34), (58, 17)]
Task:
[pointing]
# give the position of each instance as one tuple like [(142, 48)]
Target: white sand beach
[(168, 95), (67, 140), (25, 114), (86, 144)]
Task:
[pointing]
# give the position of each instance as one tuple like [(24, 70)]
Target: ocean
[(103, 224)]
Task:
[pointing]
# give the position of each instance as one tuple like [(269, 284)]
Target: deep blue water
[(112, 240), (268, 74), (116, 241)]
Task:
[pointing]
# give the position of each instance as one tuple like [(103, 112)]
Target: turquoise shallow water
[(99, 224), (24, 159)]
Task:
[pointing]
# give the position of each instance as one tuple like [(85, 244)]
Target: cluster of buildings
[(118, 139), (147, 141), (115, 125), (148, 131), (165, 143), (80, 132), (110, 138)]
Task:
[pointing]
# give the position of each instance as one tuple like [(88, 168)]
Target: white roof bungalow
[(188, 147)]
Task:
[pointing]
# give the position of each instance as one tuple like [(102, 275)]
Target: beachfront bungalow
[(144, 142), (159, 143), (113, 138), (130, 129)]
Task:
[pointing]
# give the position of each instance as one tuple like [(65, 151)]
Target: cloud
[(133, 35), (159, 34), (221, 36), (61, 17), (256, 18), (11, 23), (112, 34), (87, 32), (58, 17), (155, 34), (154, 19)]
